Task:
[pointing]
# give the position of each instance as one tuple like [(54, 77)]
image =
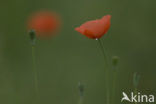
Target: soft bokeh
[(68, 58), (45, 23)]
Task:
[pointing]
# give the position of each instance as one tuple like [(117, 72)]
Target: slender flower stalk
[(33, 41), (35, 70), (106, 71), (115, 61), (114, 86), (136, 79), (135, 92), (81, 91)]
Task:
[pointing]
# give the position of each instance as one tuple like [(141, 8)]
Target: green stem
[(135, 91), (114, 86), (80, 100), (35, 71), (106, 71)]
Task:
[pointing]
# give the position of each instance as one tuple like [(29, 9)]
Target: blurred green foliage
[(70, 57)]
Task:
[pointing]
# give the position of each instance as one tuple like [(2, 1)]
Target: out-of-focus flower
[(95, 29), (44, 23)]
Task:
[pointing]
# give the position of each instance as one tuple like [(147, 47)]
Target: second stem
[(35, 70)]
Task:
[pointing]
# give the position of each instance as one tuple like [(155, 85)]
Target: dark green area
[(70, 57)]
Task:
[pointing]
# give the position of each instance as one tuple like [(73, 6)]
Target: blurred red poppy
[(95, 29), (44, 23)]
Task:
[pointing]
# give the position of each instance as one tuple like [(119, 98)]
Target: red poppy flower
[(44, 23), (95, 29)]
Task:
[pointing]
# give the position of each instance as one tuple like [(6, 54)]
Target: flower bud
[(32, 35), (81, 89), (115, 61)]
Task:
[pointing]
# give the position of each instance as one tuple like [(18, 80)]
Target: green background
[(69, 57)]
